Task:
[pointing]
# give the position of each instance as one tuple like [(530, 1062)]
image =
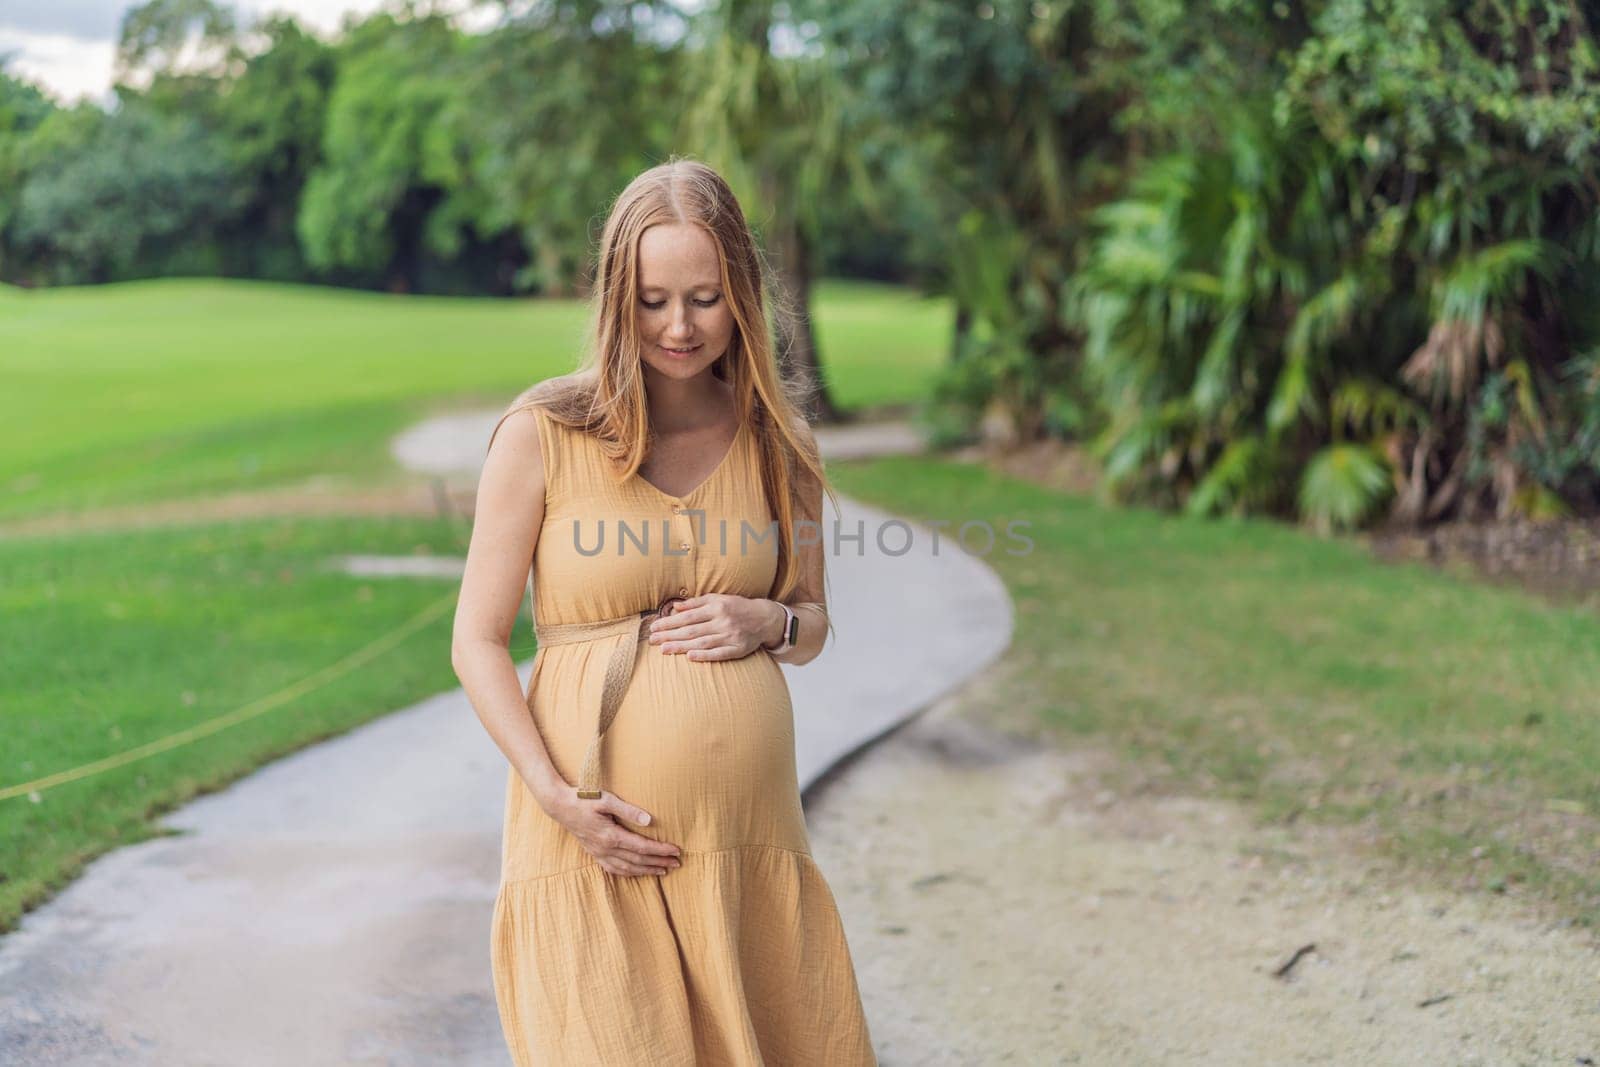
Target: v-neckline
[(738, 437)]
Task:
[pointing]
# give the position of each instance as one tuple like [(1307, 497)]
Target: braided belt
[(619, 672)]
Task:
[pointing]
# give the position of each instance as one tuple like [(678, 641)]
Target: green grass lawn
[(1300, 675), (114, 640), (173, 388)]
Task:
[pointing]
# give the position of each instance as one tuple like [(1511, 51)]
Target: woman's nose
[(680, 324)]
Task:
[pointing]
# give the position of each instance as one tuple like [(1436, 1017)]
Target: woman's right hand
[(597, 824)]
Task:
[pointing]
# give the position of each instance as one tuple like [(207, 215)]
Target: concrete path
[(333, 907)]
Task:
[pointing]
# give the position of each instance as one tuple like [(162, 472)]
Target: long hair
[(605, 395)]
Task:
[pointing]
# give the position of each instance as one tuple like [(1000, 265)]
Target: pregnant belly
[(706, 747)]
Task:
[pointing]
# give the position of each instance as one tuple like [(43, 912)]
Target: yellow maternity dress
[(738, 956)]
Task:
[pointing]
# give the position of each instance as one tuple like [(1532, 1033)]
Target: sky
[(65, 46)]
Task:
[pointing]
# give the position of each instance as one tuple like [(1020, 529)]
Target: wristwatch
[(791, 629)]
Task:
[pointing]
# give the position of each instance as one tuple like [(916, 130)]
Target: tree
[(774, 126), (380, 197), (563, 105), (179, 42), (270, 120), (1364, 273), (23, 108), (1016, 105), (111, 197)]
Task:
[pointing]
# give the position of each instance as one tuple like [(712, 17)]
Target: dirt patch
[(1558, 558), (1054, 464), (1007, 900)]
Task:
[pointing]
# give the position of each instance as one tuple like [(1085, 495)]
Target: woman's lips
[(679, 353)]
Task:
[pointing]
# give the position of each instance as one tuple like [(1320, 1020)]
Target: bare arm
[(808, 599), (505, 531)]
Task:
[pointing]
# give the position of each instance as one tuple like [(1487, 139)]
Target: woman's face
[(683, 317)]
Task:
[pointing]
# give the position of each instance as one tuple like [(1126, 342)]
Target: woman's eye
[(659, 304)]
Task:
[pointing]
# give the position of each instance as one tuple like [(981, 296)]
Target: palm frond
[(1242, 477), (1342, 485)]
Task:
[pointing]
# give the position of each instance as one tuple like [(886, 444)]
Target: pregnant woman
[(658, 901)]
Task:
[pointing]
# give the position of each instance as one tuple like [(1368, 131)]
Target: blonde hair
[(605, 394)]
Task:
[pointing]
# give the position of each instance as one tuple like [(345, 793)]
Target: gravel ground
[(1003, 905)]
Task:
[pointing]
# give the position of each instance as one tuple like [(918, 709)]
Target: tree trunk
[(797, 350), (963, 327)]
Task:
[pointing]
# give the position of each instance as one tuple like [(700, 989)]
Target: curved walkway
[(334, 906)]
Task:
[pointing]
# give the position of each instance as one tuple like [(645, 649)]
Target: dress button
[(684, 591), (684, 546)]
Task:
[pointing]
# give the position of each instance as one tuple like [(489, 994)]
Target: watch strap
[(791, 629)]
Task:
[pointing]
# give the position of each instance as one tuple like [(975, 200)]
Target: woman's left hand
[(715, 626)]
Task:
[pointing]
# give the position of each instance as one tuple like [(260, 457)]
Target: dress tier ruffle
[(698, 967)]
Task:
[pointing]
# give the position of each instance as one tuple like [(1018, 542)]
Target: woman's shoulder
[(540, 416), (558, 402), (546, 393), (520, 436)]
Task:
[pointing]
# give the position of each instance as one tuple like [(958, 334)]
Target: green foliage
[(1184, 287), (1243, 479), (156, 188), (1370, 264), (555, 113), (408, 154), (377, 199), (172, 39), (22, 110), (1018, 144), (1343, 485), (270, 121)]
